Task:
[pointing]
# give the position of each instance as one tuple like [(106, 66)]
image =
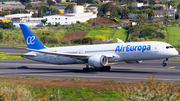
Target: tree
[(114, 14), (50, 2), (168, 4), (150, 12), (18, 10), (29, 6), (42, 11), (109, 7), (1, 35), (24, 2), (141, 20), (6, 25), (69, 8), (44, 21), (3, 13), (42, 0), (152, 2)]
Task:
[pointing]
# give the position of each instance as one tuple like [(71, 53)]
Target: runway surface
[(121, 71), (10, 49)]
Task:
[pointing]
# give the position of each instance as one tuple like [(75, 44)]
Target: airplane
[(98, 55)]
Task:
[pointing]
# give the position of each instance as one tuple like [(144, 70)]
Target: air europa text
[(130, 48)]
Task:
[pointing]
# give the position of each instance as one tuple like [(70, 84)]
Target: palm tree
[(168, 4)]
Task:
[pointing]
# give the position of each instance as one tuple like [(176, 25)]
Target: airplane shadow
[(54, 70)]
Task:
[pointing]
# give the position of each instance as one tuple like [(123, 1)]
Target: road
[(121, 71)]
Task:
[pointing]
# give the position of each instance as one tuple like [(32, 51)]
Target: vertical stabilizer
[(31, 40)]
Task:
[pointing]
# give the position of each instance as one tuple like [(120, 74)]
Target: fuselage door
[(156, 48)]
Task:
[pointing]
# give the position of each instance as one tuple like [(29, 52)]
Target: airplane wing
[(120, 41), (78, 56)]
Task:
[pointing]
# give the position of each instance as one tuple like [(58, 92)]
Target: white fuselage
[(131, 51)]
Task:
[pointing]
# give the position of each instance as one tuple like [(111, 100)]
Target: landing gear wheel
[(87, 69), (105, 68), (164, 60), (164, 64)]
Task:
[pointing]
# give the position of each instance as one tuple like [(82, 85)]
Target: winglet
[(31, 40), (120, 41)]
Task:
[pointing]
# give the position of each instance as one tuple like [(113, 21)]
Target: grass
[(10, 56), (121, 34), (100, 34), (8, 93), (135, 91), (173, 35)]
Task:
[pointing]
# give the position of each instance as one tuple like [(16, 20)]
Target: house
[(137, 4), (60, 1), (159, 13), (157, 2), (104, 2)]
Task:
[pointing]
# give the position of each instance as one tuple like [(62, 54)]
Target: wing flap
[(79, 56)]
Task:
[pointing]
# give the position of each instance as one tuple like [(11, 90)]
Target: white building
[(137, 4), (26, 19), (67, 19)]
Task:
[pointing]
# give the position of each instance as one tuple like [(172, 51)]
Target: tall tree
[(69, 8), (24, 2), (50, 2), (168, 5), (29, 6), (152, 2), (44, 21)]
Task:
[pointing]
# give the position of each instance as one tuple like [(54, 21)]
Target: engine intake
[(98, 61)]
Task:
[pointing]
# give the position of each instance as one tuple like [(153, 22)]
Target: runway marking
[(171, 67), (102, 77)]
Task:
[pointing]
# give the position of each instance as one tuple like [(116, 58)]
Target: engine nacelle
[(98, 61), (133, 62)]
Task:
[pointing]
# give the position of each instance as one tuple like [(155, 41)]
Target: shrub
[(146, 32), (1, 35), (15, 94)]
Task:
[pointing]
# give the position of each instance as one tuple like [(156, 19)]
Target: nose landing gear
[(164, 64)]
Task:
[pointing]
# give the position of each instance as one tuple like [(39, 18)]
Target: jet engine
[(98, 61), (133, 62)]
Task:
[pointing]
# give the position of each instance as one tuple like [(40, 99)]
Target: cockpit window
[(168, 47), (171, 47)]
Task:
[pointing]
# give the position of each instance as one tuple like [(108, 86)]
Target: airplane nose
[(175, 53)]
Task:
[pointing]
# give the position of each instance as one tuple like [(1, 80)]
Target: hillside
[(173, 35)]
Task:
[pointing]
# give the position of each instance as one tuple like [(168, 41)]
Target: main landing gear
[(164, 64), (89, 69)]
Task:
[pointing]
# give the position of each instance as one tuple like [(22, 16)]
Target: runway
[(121, 71)]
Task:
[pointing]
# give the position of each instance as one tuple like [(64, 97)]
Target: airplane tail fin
[(31, 40)]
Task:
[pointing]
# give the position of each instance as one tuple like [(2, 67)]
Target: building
[(60, 1), (67, 19), (137, 4), (26, 19), (77, 15)]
